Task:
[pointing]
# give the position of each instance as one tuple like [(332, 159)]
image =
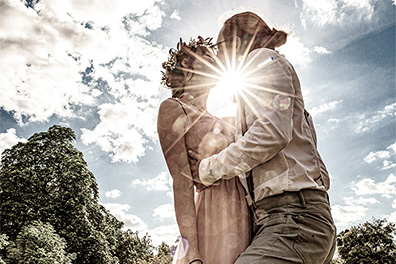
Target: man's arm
[(269, 101)]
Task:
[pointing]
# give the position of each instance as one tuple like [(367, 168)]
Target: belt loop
[(302, 199)]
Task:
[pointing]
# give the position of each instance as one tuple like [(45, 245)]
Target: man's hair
[(248, 25)]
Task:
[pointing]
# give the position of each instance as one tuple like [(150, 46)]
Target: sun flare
[(231, 82), (221, 98)]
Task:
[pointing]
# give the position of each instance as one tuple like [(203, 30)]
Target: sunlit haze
[(95, 66)]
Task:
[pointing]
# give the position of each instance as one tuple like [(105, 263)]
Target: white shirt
[(280, 143)]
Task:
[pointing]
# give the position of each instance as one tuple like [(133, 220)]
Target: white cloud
[(394, 204), (115, 193), (39, 77), (295, 51), (168, 234), (390, 152), (46, 52), (322, 12), (321, 50), (164, 211), (324, 107), (130, 221), (101, 12), (386, 164), (386, 188), (159, 183), (9, 139), (333, 122), (151, 19), (361, 201), (346, 215), (392, 217), (175, 15), (372, 156), (126, 126), (371, 123)]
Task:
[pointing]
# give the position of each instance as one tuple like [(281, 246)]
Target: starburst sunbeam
[(183, 134), (266, 89), (249, 103), (253, 58), (204, 61), (237, 77), (246, 52), (199, 72), (198, 86), (264, 63)]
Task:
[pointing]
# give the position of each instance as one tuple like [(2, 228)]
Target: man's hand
[(195, 160)]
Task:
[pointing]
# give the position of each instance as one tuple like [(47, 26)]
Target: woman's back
[(221, 212), (205, 133)]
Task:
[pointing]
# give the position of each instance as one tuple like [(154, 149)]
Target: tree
[(132, 249), (371, 242), (3, 244), (163, 256), (39, 243), (47, 179)]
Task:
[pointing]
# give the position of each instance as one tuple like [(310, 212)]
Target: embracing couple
[(254, 191)]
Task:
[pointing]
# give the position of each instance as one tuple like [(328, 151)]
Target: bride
[(213, 221)]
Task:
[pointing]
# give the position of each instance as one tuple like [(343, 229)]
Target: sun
[(221, 100), (231, 83)]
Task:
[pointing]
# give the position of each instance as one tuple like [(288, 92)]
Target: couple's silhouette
[(261, 186)]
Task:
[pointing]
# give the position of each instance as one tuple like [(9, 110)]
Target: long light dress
[(221, 209)]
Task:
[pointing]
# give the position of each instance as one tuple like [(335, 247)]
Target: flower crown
[(170, 65)]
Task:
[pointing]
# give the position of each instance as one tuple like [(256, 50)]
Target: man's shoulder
[(263, 53), (267, 59)]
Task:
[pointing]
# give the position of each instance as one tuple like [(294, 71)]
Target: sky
[(95, 66)]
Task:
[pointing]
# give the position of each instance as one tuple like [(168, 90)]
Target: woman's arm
[(170, 126)]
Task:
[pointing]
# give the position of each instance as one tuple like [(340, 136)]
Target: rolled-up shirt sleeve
[(268, 99)]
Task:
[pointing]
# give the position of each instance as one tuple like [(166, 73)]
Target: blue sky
[(95, 66)]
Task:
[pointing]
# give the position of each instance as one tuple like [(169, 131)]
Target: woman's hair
[(174, 76), (247, 25)]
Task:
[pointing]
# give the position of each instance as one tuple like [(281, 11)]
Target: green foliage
[(371, 242), (132, 249), (39, 243), (3, 243), (46, 179), (163, 256)]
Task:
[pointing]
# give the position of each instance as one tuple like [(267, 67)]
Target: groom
[(275, 150)]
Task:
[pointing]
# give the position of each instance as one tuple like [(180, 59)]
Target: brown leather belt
[(301, 197)]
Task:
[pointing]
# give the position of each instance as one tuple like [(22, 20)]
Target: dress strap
[(183, 106)]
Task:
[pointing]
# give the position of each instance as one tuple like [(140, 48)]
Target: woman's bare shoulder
[(169, 103), (170, 110), (170, 106)]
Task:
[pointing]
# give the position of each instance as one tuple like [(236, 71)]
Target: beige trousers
[(294, 227)]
